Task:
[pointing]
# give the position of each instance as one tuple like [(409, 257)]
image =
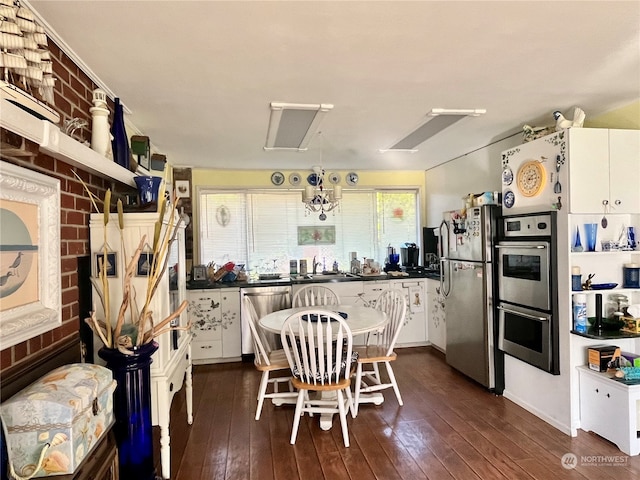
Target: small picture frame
[(112, 264), (182, 189), (145, 261)]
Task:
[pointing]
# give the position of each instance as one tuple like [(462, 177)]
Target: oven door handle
[(526, 315), (525, 247)]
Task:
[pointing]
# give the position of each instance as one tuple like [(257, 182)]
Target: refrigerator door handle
[(445, 280)]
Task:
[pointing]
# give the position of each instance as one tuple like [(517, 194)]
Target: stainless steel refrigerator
[(467, 239)]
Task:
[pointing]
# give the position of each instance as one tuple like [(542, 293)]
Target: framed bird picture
[(30, 290)]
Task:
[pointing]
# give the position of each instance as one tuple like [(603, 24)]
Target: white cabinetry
[(414, 329), (349, 293), (609, 408), (436, 315), (372, 289), (215, 320), (172, 361), (603, 167)]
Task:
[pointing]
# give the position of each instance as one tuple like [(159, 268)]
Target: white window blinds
[(265, 230)]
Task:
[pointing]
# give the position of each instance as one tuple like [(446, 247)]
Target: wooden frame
[(30, 296)]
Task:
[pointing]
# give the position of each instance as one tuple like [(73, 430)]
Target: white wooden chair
[(318, 345), (380, 348), (267, 361), (315, 295)]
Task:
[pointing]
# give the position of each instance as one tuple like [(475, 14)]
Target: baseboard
[(566, 429)]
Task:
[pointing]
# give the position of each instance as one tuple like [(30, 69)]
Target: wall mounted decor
[(317, 235), (182, 189), (30, 292), (111, 264), (144, 264)]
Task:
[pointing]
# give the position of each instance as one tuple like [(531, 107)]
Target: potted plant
[(128, 333)]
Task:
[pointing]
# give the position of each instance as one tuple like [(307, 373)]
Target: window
[(266, 229)]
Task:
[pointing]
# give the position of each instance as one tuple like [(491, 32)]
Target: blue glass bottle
[(120, 141), (132, 410)]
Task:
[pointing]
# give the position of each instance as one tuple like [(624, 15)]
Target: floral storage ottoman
[(68, 409)]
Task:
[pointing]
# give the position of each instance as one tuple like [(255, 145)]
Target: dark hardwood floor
[(448, 428)]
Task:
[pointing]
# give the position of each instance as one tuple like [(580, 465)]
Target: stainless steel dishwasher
[(265, 300)]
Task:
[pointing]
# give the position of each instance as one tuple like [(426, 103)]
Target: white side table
[(609, 408)]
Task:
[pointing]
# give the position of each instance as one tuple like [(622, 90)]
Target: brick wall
[(73, 94)]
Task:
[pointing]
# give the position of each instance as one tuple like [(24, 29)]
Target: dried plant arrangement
[(133, 324)]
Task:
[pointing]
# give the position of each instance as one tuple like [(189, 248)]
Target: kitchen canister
[(580, 312), (631, 275), (576, 279)]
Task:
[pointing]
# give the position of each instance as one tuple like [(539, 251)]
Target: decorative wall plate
[(531, 178), (277, 178), (351, 178), (294, 178), (334, 178), (508, 199), (507, 175), (314, 179)]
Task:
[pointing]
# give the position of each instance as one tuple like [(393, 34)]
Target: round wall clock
[(531, 178), (277, 178), (351, 178)]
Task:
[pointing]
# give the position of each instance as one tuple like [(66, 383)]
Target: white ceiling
[(199, 76)]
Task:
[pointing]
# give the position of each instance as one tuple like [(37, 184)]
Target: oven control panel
[(528, 226)]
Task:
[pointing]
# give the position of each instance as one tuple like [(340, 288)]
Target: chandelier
[(317, 198)]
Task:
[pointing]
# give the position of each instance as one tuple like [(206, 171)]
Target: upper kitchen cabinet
[(604, 170)]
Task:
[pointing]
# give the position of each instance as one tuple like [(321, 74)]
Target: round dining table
[(360, 319)]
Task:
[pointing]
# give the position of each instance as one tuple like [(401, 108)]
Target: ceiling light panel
[(435, 121), (292, 125)]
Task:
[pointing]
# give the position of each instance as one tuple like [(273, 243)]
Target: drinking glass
[(591, 232)]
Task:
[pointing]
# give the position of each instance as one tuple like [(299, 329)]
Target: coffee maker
[(410, 256)]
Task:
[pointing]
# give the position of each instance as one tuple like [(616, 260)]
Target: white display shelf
[(60, 146)]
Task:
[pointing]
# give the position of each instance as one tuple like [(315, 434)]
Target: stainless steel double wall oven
[(527, 290)]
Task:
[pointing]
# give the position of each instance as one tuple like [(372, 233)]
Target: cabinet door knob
[(597, 391), (608, 396), (618, 202), (605, 202)]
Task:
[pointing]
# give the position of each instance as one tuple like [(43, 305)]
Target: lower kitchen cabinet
[(436, 315), (609, 408), (414, 329), (350, 293), (215, 320)]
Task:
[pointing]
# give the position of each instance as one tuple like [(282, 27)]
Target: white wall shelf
[(60, 146)]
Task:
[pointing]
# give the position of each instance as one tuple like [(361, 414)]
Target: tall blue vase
[(120, 142), (132, 410)]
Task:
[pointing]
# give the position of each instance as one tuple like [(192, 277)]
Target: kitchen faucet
[(315, 265)]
